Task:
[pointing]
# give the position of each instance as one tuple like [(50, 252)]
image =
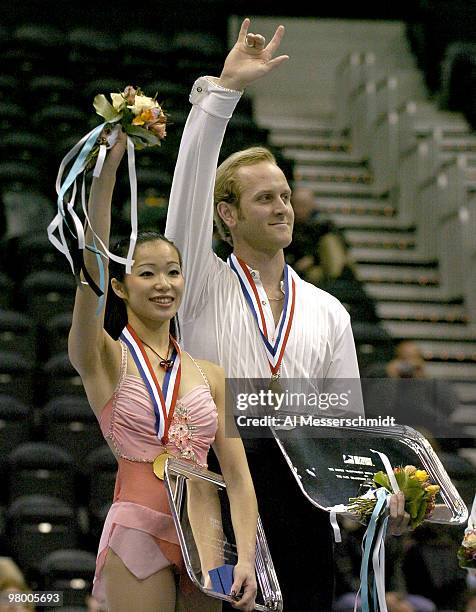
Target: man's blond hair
[(227, 186)]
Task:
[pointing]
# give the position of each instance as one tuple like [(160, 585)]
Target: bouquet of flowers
[(467, 550), (419, 494), (144, 122), (140, 116)]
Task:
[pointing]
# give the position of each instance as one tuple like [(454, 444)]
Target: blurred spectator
[(408, 362), (93, 605), (458, 87), (320, 254), (414, 398), (430, 565), (12, 581), (396, 602), (401, 602), (318, 251), (469, 601)]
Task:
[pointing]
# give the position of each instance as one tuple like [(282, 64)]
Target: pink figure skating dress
[(139, 527)]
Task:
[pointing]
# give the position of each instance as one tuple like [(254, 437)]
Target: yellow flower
[(421, 475), (146, 116), (143, 103), (410, 469), (469, 540), (432, 489)]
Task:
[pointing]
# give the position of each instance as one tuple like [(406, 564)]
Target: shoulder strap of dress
[(204, 376), (123, 371)]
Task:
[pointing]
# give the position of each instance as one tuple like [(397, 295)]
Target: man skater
[(256, 317)]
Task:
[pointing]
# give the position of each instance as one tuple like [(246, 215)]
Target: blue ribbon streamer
[(368, 544), (77, 167)]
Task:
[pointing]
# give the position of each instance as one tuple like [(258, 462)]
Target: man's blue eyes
[(266, 197)]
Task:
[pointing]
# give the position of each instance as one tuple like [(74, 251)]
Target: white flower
[(143, 103), (118, 101), (469, 540)]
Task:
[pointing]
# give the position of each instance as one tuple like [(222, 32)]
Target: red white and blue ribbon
[(274, 350), (163, 398)]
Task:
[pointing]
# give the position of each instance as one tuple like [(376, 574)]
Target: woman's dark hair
[(115, 315)]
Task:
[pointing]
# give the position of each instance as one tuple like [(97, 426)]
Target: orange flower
[(142, 118)]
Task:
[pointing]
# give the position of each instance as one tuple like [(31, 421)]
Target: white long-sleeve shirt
[(216, 321)]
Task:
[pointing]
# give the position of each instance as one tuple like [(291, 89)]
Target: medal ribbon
[(165, 398), (274, 352)]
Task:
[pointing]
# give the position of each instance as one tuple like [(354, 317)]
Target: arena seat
[(46, 293), (54, 334), (6, 291), (70, 571), (52, 90), (41, 468), (37, 525), (60, 378), (17, 333), (101, 468), (14, 430), (69, 422), (16, 375)]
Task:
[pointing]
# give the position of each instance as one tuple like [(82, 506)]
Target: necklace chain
[(281, 297), (164, 362)]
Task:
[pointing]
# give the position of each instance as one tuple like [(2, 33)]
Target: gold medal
[(159, 464), (274, 384)]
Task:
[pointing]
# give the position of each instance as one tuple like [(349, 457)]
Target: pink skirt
[(144, 539)]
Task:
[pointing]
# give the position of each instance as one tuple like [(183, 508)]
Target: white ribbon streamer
[(106, 253), (335, 526), (58, 220), (378, 563), (133, 184), (472, 516), (100, 161), (388, 469)]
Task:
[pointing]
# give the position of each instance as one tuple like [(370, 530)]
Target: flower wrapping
[(420, 494)]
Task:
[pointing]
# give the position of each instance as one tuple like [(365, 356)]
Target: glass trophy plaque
[(332, 465), (201, 513)]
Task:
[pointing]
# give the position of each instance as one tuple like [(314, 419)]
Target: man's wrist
[(229, 84)]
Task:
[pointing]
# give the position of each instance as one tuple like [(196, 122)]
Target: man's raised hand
[(250, 58)]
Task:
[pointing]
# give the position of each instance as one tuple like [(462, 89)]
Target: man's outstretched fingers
[(276, 40), (244, 30)]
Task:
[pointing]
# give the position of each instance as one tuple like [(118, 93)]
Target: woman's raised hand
[(116, 152)]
